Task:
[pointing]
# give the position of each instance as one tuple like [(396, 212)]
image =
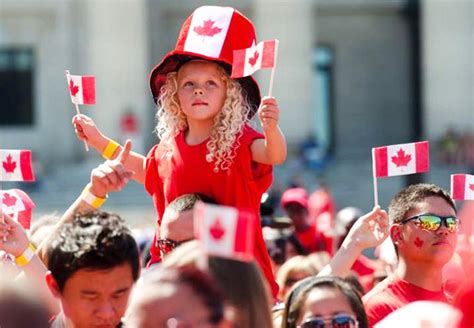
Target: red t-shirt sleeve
[(151, 171), (376, 311), (260, 173)]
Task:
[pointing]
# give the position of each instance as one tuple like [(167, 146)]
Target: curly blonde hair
[(228, 123)]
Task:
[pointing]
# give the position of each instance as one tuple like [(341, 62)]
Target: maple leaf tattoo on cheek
[(418, 242)]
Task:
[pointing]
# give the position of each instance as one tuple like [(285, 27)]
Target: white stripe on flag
[(208, 30)]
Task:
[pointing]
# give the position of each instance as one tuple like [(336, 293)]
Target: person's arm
[(272, 149), (14, 241), (86, 130), (369, 230), (108, 177)]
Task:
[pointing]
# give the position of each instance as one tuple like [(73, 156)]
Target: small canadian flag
[(401, 159), (225, 231), (17, 203), (248, 61), (462, 186), (16, 165), (81, 88)]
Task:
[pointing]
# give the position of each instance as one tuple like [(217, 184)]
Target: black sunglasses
[(433, 222), (336, 321)]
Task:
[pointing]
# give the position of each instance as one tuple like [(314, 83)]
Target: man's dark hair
[(95, 241), (408, 198)]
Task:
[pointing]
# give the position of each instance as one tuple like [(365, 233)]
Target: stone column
[(294, 24)]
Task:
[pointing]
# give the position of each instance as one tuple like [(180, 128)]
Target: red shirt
[(393, 293), (185, 170), (311, 239)]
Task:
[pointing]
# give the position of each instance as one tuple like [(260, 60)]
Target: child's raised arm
[(272, 149), (85, 129)]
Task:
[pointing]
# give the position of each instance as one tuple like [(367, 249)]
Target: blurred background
[(351, 75)]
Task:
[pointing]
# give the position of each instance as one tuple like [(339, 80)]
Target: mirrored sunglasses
[(433, 222), (337, 321)]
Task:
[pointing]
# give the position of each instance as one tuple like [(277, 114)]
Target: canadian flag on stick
[(248, 61), (225, 231), (17, 203), (81, 88), (462, 186), (401, 159), (16, 165)]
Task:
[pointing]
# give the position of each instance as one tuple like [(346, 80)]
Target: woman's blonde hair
[(228, 123)]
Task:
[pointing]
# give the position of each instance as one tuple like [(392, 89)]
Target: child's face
[(201, 90)]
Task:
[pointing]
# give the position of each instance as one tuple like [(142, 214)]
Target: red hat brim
[(175, 59)]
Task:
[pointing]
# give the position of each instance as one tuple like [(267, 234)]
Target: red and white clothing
[(183, 170), (393, 293)]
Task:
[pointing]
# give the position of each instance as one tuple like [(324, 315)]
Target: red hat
[(295, 195), (210, 33)]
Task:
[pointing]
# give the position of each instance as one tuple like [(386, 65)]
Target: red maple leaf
[(73, 88), (418, 242), (9, 165), (471, 186), (401, 159), (253, 60), (9, 200), (216, 230), (207, 28)]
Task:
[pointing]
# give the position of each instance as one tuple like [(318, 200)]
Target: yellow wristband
[(110, 149), (92, 199), (26, 257)]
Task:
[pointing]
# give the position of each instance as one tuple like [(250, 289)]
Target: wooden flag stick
[(270, 89), (376, 192), (79, 113)]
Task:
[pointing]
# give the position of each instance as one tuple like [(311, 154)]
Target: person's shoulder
[(249, 134), (380, 301), (380, 291)]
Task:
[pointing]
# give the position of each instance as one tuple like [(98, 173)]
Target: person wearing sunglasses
[(321, 302), (424, 230)]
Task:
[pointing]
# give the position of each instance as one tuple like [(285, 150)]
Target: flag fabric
[(81, 88), (16, 165), (208, 31), (248, 61), (462, 186), (401, 159), (17, 203), (225, 231)]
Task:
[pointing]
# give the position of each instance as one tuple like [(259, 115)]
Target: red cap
[(295, 195)]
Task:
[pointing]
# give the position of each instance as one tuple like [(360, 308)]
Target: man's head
[(424, 225), (294, 202), (94, 262)]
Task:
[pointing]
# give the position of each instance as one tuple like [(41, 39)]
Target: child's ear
[(52, 285)]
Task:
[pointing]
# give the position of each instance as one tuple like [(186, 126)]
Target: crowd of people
[(311, 269), (457, 148)]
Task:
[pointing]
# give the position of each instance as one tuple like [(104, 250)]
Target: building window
[(323, 61), (16, 86)]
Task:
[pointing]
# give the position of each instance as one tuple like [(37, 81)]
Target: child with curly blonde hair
[(207, 145)]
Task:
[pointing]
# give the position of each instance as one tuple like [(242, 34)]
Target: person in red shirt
[(424, 231), (206, 143), (294, 202)]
